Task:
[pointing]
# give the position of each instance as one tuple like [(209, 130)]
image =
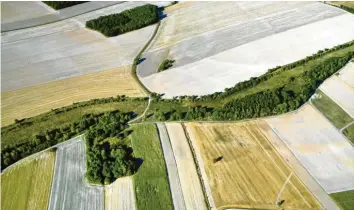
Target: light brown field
[(31, 101), (345, 3), (251, 173)]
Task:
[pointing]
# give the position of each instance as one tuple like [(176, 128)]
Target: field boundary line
[(295, 188), (312, 176), (282, 188), (323, 116), (203, 180), (34, 154), (345, 127), (175, 163)]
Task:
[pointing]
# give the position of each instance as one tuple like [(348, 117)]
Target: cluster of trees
[(128, 20), (108, 160), (62, 4), (166, 64), (48, 138)]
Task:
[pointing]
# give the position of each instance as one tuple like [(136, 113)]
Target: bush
[(128, 20), (62, 4), (166, 64)]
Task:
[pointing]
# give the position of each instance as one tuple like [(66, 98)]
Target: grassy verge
[(345, 200), (331, 110), (349, 133), (27, 185), (22, 132), (150, 181)]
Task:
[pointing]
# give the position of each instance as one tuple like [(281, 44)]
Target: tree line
[(128, 20), (62, 4)]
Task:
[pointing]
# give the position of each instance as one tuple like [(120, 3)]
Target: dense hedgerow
[(128, 20), (62, 4)]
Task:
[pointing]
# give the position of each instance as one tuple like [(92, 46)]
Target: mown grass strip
[(349, 133), (345, 199), (151, 185), (331, 110)]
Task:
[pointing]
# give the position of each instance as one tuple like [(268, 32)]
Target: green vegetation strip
[(62, 4), (126, 21), (331, 110), (35, 134), (150, 181), (345, 200), (349, 132)]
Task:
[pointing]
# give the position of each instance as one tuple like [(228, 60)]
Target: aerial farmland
[(209, 66), (177, 105)]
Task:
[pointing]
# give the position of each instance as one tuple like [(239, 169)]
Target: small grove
[(278, 91), (126, 21), (62, 4), (165, 64)]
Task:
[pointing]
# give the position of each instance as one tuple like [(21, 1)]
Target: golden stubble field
[(250, 174), (31, 101)]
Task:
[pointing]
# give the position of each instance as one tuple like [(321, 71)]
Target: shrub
[(166, 64), (62, 4)]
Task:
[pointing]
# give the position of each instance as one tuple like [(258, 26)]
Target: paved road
[(175, 185)]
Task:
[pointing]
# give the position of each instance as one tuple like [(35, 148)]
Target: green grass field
[(150, 181), (345, 200), (16, 134), (349, 132), (331, 110), (27, 185)]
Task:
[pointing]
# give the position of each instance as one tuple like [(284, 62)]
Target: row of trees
[(128, 20), (62, 4), (108, 160), (270, 102)]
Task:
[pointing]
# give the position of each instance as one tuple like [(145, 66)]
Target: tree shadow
[(140, 60)]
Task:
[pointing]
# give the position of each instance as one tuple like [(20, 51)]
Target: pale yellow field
[(31, 101), (345, 3), (251, 174)]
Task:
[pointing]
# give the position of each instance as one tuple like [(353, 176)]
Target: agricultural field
[(172, 170), (344, 199), (331, 110), (344, 98), (187, 172), (26, 185), (319, 146), (244, 170), (347, 74), (70, 189), (31, 101), (15, 11), (205, 55), (150, 182), (120, 195)]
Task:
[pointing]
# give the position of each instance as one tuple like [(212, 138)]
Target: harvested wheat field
[(317, 144), (244, 170), (15, 11), (340, 92), (26, 185), (187, 171), (217, 45), (120, 195), (70, 189), (31, 101)]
